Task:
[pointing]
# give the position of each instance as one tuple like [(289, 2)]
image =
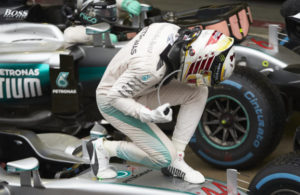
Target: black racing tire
[(242, 123), (296, 49), (279, 177)]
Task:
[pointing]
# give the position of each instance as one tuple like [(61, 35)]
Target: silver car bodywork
[(30, 37), (131, 180)]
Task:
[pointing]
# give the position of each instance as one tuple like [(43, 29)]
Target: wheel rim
[(225, 122)]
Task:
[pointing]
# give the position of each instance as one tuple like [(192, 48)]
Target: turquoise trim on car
[(40, 71), (17, 170), (91, 73), (123, 174), (23, 81)]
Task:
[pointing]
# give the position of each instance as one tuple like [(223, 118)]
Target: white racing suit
[(130, 83)]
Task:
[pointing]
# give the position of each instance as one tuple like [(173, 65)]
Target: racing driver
[(96, 11), (162, 66)]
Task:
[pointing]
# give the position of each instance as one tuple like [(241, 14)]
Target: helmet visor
[(106, 12)]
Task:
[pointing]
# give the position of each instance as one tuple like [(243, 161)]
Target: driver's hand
[(132, 6), (161, 114)]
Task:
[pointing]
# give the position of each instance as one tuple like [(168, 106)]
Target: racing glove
[(131, 6), (161, 114)]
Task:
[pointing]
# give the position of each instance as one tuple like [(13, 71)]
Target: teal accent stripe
[(209, 140), (91, 73), (33, 77), (140, 125), (16, 170), (42, 74)]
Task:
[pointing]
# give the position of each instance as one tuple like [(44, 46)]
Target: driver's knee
[(164, 159)]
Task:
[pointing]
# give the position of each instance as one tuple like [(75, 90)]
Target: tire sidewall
[(253, 98), (281, 173)]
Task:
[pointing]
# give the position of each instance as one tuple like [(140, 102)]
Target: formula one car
[(70, 172), (242, 123), (42, 167)]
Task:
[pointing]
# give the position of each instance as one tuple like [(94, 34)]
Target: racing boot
[(99, 158), (180, 169)]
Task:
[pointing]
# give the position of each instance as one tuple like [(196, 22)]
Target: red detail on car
[(222, 187), (130, 168), (262, 44), (232, 57)]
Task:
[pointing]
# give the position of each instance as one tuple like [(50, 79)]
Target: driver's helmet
[(96, 11), (208, 58)]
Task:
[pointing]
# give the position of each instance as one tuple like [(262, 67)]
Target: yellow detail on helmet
[(191, 77), (222, 73), (186, 72), (225, 44)]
